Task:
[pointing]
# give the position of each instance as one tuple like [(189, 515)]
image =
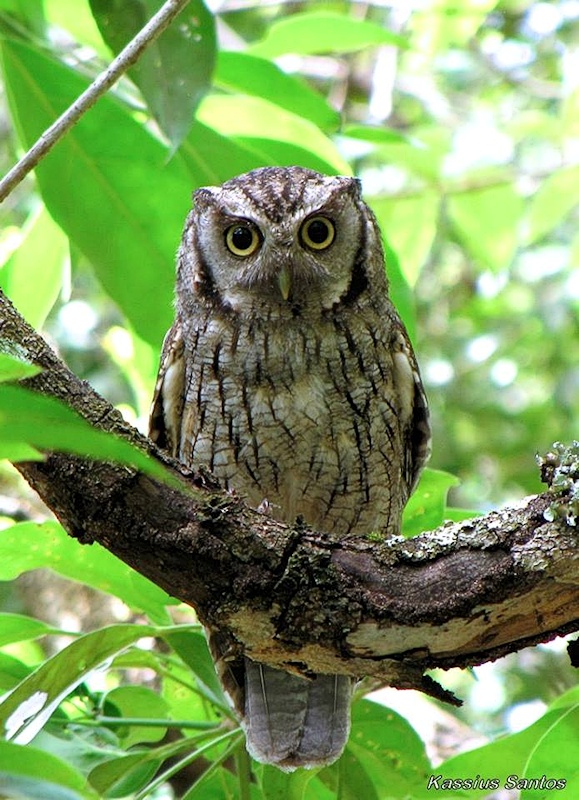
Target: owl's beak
[(284, 281)]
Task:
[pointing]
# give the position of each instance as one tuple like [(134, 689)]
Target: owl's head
[(281, 237)]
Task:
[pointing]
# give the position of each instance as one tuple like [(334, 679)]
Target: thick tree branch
[(300, 599)]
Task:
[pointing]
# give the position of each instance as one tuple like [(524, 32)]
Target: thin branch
[(125, 59)]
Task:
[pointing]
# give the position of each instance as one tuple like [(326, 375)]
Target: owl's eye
[(318, 233), (242, 239)]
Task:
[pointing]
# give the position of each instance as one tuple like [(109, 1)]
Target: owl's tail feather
[(295, 722)]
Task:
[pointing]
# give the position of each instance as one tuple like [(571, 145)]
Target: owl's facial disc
[(244, 239)]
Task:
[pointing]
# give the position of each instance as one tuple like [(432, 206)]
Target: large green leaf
[(12, 671), (174, 72), (28, 545), (19, 628), (555, 753), (252, 118), (20, 16), (223, 784), (44, 423), (27, 772), (557, 196), (547, 747), (108, 184), (277, 785), (137, 702), (38, 262), (12, 369), (193, 650), (76, 19), (487, 222), (425, 509), (410, 224), (249, 74), (399, 289), (322, 32), (121, 776), (212, 157), (383, 758), (25, 711)]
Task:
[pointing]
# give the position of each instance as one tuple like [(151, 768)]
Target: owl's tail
[(295, 722)]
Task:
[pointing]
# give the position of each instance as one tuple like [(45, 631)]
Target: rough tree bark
[(297, 598)]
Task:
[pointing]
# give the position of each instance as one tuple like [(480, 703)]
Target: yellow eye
[(318, 233), (242, 239)]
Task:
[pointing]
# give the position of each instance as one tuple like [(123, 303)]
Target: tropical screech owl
[(289, 374)]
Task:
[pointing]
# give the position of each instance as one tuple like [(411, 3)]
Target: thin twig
[(125, 59)]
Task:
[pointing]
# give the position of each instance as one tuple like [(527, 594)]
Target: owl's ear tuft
[(205, 195), (351, 185)]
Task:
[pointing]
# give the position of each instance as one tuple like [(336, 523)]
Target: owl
[(288, 373)]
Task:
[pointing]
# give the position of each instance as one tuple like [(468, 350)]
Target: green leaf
[(19, 451), (122, 776), (47, 424), (192, 648), (174, 72), (80, 746), (322, 32), (107, 183), (374, 133), (400, 292), (383, 758), (487, 222), (248, 74), (514, 756), (425, 510), (187, 698), (12, 671), (28, 772), (422, 155), (555, 756), (250, 119), (20, 16), (19, 628), (557, 196), (12, 369), (460, 514), (138, 702), (222, 784), (25, 711), (286, 154), (446, 23), (278, 785), (39, 262), (77, 20), (212, 158), (48, 545), (410, 224)]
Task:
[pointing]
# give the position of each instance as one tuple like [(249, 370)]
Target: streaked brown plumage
[(289, 374)]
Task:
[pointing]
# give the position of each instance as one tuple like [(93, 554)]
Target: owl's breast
[(303, 418)]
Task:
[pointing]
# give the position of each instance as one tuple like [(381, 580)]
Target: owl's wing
[(415, 417), (167, 408)]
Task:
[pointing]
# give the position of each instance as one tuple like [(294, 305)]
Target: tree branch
[(300, 599), (125, 59)]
